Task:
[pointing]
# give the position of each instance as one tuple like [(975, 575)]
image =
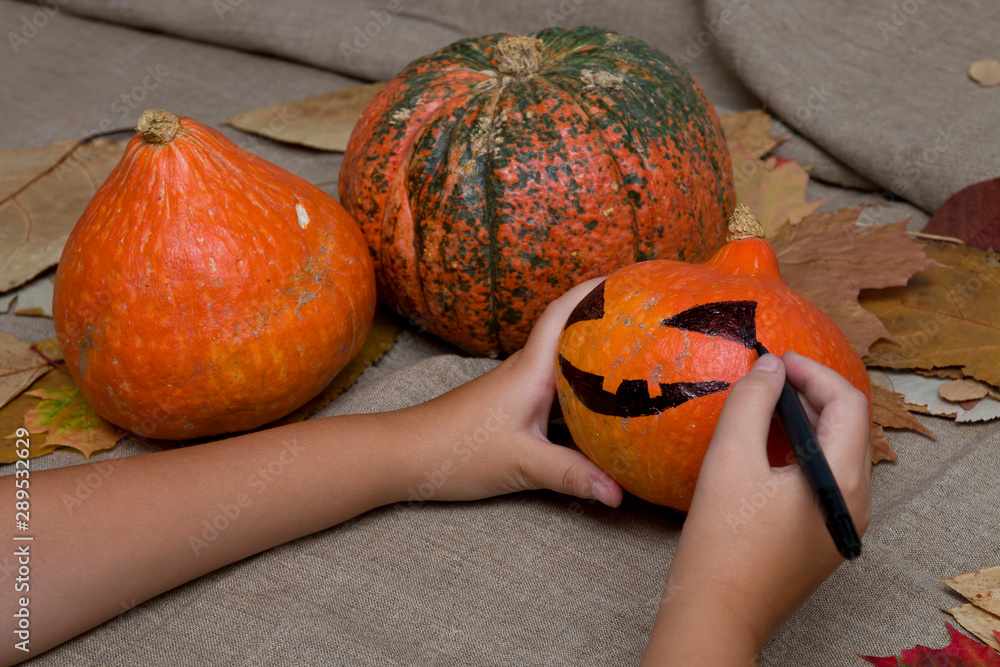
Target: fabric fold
[(880, 86)]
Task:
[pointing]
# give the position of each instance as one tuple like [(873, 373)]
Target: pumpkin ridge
[(639, 144), (457, 109), (616, 163), (383, 251), (492, 222)]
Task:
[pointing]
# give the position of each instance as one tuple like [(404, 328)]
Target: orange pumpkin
[(205, 290), (646, 359)]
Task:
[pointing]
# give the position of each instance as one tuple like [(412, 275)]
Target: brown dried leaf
[(949, 372), (752, 129), (946, 316), (985, 72), (966, 389), (981, 588), (878, 445), (828, 260), (972, 214), (19, 367), (49, 349), (775, 192), (979, 622), (324, 121), (43, 191), (921, 394), (890, 412)]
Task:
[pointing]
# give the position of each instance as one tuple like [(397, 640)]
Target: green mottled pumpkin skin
[(495, 174)]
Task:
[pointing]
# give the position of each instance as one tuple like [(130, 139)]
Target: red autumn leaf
[(961, 652), (971, 214)]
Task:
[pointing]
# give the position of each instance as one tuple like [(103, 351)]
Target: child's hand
[(489, 436), (754, 545)]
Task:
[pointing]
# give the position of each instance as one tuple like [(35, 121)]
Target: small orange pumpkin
[(205, 290), (646, 359)]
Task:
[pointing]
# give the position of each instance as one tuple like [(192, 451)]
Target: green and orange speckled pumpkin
[(646, 359), (493, 175), (205, 290)]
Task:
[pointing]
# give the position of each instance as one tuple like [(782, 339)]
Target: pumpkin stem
[(157, 126), (743, 224), (519, 57)]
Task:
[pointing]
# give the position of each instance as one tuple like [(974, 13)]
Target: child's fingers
[(746, 416), (549, 466), (844, 419), (544, 338)]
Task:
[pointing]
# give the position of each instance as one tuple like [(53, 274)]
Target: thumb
[(746, 415), (544, 338), (551, 466)]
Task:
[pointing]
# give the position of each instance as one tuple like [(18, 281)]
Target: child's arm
[(162, 519), (754, 546)]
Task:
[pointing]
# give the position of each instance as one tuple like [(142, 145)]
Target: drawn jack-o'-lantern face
[(646, 361)]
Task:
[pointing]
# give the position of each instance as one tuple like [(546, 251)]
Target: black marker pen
[(810, 457)]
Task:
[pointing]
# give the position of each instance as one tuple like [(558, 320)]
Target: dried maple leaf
[(775, 192), (985, 72), (19, 367), (890, 412), (979, 622), (70, 422), (947, 315), (324, 121), (878, 445), (752, 129), (828, 260), (971, 214), (961, 652), (43, 191), (12, 417)]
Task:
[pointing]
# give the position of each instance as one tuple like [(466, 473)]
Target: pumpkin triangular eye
[(732, 320), (591, 307)]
